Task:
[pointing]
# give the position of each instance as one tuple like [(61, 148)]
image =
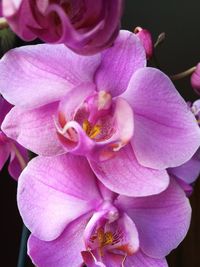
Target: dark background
[(180, 20)]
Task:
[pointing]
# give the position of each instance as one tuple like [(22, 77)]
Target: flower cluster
[(9, 148), (117, 145)]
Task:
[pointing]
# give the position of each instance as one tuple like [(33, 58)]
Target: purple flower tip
[(146, 39), (195, 79)]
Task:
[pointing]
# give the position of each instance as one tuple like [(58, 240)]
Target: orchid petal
[(32, 76), (141, 260), (166, 132), (34, 129), (130, 241), (124, 120), (189, 171), (124, 175), (65, 251), (162, 220), (119, 63), (73, 99), (54, 191)]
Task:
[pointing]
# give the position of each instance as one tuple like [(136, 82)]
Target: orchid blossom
[(127, 119), (75, 219)]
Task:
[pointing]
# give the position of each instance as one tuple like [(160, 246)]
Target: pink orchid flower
[(9, 148), (86, 27), (74, 218), (127, 119), (188, 172)]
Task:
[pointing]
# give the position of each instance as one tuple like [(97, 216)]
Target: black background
[(180, 20)]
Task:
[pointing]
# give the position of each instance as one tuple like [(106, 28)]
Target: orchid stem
[(183, 74), (3, 23), (23, 248)]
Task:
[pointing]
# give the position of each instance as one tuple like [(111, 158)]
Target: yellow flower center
[(91, 131)]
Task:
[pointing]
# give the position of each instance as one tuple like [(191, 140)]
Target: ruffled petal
[(53, 192)]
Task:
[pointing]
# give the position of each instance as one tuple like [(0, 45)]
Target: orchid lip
[(105, 233), (99, 122)]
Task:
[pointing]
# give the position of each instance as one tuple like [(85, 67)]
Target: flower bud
[(146, 39), (195, 79), (86, 27)]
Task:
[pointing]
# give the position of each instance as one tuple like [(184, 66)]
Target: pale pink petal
[(10, 6), (119, 63), (54, 191), (166, 132), (65, 251), (124, 175), (34, 129), (162, 220), (32, 76)]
